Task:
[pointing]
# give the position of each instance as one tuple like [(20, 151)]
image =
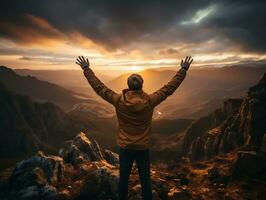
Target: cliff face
[(27, 126), (241, 122), (252, 115)]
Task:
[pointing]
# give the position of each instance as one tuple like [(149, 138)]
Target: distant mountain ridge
[(71, 79), (154, 79), (202, 91), (40, 90)]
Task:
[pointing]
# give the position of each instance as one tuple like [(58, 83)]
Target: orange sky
[(60, 53), (38, 44)]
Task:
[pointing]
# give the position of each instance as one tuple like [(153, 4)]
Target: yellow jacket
[(134, 109)]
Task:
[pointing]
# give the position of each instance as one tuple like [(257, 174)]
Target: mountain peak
[(4, 69)]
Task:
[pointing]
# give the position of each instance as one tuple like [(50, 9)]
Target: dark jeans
[(126, 159)]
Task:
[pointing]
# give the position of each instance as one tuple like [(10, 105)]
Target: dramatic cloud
[(136, 29)]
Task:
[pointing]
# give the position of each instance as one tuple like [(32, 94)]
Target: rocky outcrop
[(79, 172), (241, 122), (202, 133), (38, 169), (81, 150), (249, 164), (252, 116), (111, 157), (102, 183), (55, 178), (36, 177)]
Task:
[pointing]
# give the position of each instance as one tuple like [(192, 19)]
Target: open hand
[(84, 63), (186, 64)]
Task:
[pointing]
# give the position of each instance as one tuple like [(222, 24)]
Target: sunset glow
[(33, 41), (135, 68)]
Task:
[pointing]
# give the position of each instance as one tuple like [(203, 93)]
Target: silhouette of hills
[(42, 91), (202, 91), (70, 79)]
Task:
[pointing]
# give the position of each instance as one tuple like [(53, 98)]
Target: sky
[(131, 35)]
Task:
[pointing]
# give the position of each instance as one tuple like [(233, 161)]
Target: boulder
[(81, 150), (111, 157), (179, 194), (38, 170), (250, 164), (47, 192), (101, 184), (36, 178)]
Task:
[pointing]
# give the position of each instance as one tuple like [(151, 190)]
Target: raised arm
[(98, 86), (157, 97)]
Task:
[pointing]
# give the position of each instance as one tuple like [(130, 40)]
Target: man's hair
[(135, 82)]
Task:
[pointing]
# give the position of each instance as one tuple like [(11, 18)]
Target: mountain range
[(41, 91), (70, 79), (203, 90), (168, 133)]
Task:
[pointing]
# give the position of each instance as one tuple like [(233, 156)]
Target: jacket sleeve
[(98, 86), (157, 97)]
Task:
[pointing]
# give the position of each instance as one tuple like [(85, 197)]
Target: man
[(134, 109)]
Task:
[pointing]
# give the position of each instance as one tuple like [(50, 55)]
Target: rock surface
[(111, 157), (55, 178), (249, 164), (79, 172), (81, 150), (241, 122)]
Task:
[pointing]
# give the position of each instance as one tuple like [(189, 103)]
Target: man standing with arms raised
[(134, 110)]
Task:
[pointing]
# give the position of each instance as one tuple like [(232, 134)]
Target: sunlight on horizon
[(135, 68)]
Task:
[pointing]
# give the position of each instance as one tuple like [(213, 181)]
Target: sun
[(135, 68)]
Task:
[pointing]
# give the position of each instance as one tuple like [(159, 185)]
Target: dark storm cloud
[(115, 24), (242, 22)]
